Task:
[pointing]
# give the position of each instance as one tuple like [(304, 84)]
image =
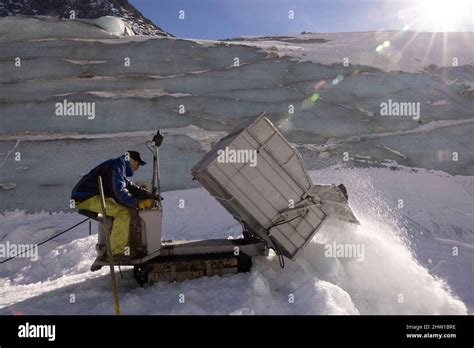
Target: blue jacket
[(114, 173)]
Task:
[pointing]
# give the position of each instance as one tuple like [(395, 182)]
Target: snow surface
[(113, 25), (408, 51), (41, 27), (407, 253)]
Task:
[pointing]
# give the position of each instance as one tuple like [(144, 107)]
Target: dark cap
[(136, 156)]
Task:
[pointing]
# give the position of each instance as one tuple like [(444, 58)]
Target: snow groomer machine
[(273, 199)]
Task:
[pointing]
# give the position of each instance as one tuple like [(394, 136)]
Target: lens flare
[(285, 124), (16, 312), (442, 155), (319, 84), (309, 102), (315, 97)]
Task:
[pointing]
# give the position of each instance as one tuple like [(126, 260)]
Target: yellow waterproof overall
[(120, 228)]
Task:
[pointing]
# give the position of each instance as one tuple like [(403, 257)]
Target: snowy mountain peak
[(89, 9)]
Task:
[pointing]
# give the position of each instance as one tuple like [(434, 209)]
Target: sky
[(219, 19)]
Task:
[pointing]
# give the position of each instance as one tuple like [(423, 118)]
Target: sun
[(443, 15)]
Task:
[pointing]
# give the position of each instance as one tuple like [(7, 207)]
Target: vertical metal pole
[(109, 249), (158, 175), (155, 175)]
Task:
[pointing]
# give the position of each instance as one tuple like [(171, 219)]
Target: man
[(121, 197)]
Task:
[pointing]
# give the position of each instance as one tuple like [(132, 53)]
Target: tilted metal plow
[(273, 198)]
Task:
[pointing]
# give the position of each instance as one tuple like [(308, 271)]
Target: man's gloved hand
[(147, 203)]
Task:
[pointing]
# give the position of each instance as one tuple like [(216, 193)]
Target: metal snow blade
[(262, 181)]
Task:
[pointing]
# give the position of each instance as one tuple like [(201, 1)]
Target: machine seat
[(90, 214)]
